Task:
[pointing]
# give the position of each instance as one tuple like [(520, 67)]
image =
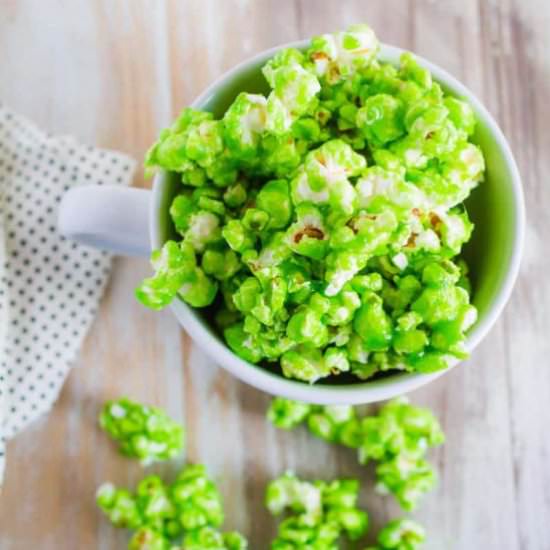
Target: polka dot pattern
[(50, 287)]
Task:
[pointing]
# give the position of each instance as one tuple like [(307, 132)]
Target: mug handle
[(109, 217)]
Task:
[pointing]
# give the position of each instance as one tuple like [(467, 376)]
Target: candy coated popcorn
[(308, 216), (183, 515), (397, 439), (320, 512), (143, 432)]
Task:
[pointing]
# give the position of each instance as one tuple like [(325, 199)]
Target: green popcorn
[(373, 324), (322, 426), (198, 290), (244, 123), (181, 210), (266, 265), (350, 433), (366, 283), (379, 189), (407, 478), (283, 58), (205, 142), (464, 166), (237, 236), (319, 231), (255, 220), (327, 422), (342, 308), (461, 115), (224, 171), (339, 414), (373, 233), (247, 295), (235, 541), (297, 534), (398, 438), (211, 205), (441, 193), (174, 264), (143, 432), (196, 499), (380, 78), (235, 195), (323, 177), (147, 538), (307, 129), (303, 192), (438, 274), (436, 304), (352, 521), (410, 341), (280, 155), (428, 111), (119, 506), (432, 361), (274, 343), (389, 161), (274, 198), (331, 162), (401, 534), (410, 70), (194, 146), (308, 236), (228, 287), (204, 229), (262, 299), (304, 363), (287, 414), (356, 350), (319, 303), (305, 326), (340, 55), (154, 502), (455, 229), (208, 538), (342, 266), (449, 335), (221, 264), (245, 345), (322, 512), (408, 321), (170, 151), (347, 115), (294, 89), (399, 296), (381, 119), (299, 496), (296, 271), (336, 360)]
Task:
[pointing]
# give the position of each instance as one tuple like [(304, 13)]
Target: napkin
[(50, 287)]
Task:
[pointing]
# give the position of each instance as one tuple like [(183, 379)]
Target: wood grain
[(113, 73)]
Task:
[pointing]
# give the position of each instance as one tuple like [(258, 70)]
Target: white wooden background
[(112, 72)]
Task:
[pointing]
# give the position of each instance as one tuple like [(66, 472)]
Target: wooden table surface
[(114, 72)]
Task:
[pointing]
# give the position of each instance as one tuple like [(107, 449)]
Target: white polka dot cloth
[(50, 287)]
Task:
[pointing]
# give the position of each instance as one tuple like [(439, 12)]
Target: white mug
[(135, 221)]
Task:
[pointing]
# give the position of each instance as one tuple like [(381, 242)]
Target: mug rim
[(358, 392)]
